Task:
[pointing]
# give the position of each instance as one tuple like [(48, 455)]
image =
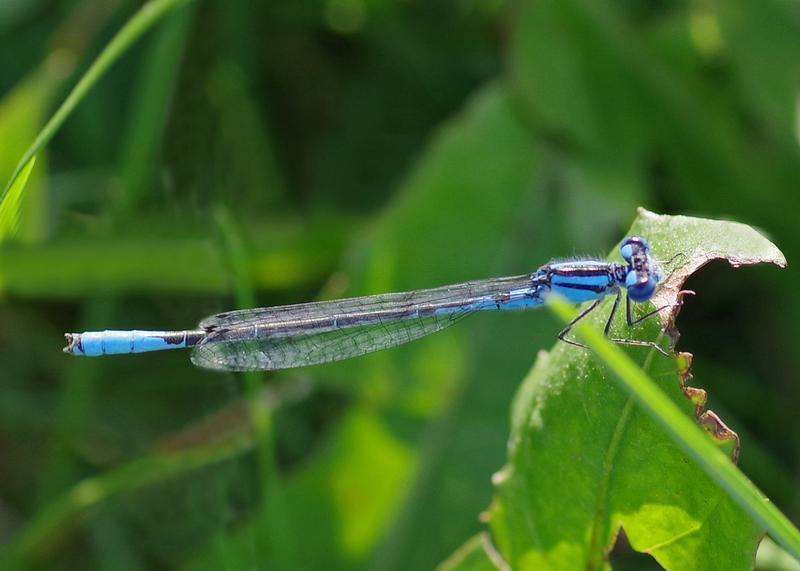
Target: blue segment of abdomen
[(514, 299), (95, 343)]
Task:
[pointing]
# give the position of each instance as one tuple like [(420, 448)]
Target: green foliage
[(11, 207), (210, 155), (419, 400), (135, 27), (585, 459)]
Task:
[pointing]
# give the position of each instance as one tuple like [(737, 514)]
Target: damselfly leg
[(628, 318)]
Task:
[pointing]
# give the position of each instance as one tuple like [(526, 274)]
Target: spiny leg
[(586, 312), (575, 320), (638, 343), (613, 312), (632, 322), (649, 314), (611, 315), (629, 319)]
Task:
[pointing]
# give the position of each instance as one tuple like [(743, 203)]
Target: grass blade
[(142, 21), (11, 206), (685, 433)]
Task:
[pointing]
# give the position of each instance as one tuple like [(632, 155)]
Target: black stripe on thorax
[(585, 287), (582, 272)]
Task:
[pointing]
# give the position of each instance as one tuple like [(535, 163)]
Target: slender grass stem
[(685, 433), (133, 29)]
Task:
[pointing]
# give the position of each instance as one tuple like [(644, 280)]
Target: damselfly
[(310, 333)]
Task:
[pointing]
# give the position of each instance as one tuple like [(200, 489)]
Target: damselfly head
[(633, 246), (642, 273)]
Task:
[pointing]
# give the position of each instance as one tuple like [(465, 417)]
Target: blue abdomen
[(95, 343)]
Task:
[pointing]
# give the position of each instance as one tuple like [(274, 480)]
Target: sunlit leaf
[(22, 111), (11, 205), (585, 461)]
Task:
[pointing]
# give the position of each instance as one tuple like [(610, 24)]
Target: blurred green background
[(249, 153)]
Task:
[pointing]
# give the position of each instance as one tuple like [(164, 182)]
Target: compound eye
[(640, 289), (631, 246)]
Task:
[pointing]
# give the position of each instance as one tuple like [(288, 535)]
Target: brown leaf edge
[(707, 419)]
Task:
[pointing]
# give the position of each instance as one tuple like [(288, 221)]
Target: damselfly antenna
[(679, 255)]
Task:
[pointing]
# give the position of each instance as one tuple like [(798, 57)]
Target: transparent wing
[(312, 333), (237, 349), (289, 313)]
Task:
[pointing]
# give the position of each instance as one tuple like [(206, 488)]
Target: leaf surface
[(584, 461)]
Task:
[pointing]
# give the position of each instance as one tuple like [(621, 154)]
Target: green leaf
[(584, 460), (574, 83), (757, 47), (11, 206), (147, 16), (22, 110)]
